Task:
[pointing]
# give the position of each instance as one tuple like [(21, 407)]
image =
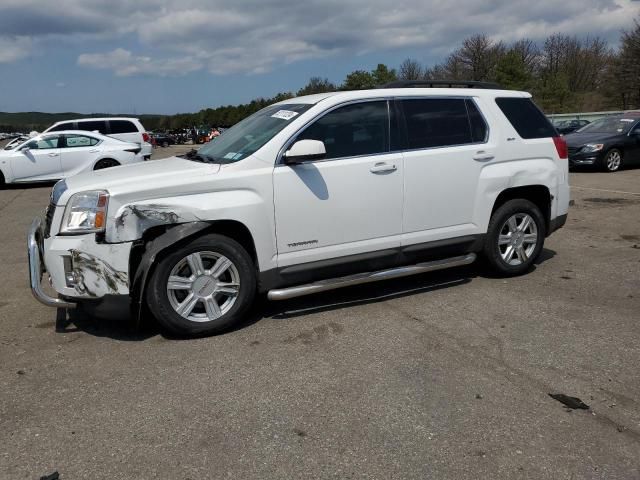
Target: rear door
[(351, 201), (78, 152), (445, 148), (40, 161)]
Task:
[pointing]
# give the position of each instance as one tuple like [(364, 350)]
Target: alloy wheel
[(613, 160), (203, 286), (518, 239)]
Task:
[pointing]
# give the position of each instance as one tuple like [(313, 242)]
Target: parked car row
[(74, 146), (608, 143), (55, 155)]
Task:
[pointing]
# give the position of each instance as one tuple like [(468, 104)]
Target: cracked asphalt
[(445, 375)]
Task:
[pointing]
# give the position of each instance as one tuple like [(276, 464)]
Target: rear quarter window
[(122, 126), (526, 117)]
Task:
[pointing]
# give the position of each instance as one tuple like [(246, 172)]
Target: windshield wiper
[(198, 157)]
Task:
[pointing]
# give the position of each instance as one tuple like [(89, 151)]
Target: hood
[(154, 174), (577, 139)]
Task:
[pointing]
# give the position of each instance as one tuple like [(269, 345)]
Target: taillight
[(561, 147), (145, 137)]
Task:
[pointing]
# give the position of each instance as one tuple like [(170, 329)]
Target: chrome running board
[(368, 277)]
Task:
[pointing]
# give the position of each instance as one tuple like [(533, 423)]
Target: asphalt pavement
[(445, 375)]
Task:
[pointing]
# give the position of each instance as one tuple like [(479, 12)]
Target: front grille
[(51, 208)]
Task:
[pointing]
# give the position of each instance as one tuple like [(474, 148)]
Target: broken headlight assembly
[(86, 212)]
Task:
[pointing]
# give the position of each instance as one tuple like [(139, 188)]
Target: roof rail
[(441, 84)]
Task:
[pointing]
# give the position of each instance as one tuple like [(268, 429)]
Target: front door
[(348, 203), (39, 159)]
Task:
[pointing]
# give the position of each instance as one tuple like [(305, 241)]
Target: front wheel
[(515, 237), (612, 161), (203, 287)]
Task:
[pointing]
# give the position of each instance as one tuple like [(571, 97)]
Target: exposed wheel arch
[(105, 163), (538, 194), (157, 241)]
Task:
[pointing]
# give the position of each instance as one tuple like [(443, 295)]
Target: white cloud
[(254, 36), (124, 64)]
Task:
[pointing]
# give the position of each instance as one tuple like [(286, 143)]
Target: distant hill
[(28, 121)]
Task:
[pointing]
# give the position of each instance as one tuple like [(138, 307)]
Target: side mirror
[(305, 150), (25, 150)]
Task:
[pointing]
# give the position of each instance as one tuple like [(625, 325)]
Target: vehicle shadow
[(30, 185), (115, 321)]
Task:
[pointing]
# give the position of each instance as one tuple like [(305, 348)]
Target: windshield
[(246, 137), (609, 125)]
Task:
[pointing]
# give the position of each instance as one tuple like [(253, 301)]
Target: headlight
[(86, 212), (592, 147)]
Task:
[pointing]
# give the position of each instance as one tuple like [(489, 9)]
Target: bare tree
[(411, 70)]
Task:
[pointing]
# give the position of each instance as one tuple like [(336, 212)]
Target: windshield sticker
[(231, 155), (238, 156), (284, 114)]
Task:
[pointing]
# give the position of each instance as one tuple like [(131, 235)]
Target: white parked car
[(310, 194), (51, 156), (122, 128)]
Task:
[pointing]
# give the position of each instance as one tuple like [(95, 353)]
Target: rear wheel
[(203, 287), (2, 180), (612, 161), (106, 163), (515, 237), (165, 144)]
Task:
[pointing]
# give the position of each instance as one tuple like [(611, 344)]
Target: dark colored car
[(163, 140), (608, 143), (569, 126)]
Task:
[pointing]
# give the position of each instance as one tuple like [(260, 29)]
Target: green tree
[(317, 85), (383, 75), (358, 80), (511, 72)]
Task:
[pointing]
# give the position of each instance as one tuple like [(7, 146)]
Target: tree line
[(564, 74)]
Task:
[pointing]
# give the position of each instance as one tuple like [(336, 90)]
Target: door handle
[(483, 156), (95, 150), (383, 167), (53, 154)]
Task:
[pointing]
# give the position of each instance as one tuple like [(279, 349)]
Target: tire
[(106, 163), (3, 182), (165, 144), (612, 161), (206, 309), (524, 245)]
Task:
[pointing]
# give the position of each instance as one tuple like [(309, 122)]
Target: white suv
[(122, 128), (308, 195)]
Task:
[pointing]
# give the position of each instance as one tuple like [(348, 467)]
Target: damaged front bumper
[(79, 268)]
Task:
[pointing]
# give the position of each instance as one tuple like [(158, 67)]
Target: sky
[(169, 56)]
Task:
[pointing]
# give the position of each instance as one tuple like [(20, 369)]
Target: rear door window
[(436, 122), (73, 141), (352, 130), (122, 126), (93, 126), (479, 129), (526, 118)]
